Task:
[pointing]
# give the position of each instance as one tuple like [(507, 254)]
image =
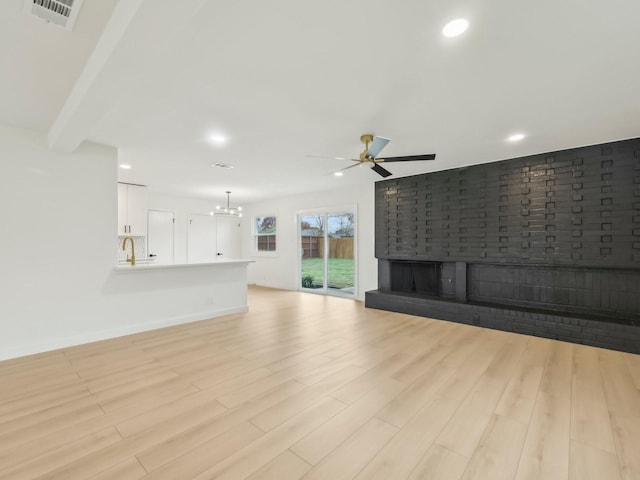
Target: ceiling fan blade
[(325, 157), (350, 166), (376, 146), (383, 172), (410, 158), (345, 168)]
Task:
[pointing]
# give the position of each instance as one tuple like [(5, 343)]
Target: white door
[(201, 242), (228, 237), (161, 236)]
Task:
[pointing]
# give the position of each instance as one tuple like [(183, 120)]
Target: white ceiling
[(286, 79)]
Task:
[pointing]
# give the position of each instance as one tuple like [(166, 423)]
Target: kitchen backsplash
[(140, 244)]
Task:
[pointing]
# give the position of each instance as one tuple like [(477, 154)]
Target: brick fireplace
[(546, 245)]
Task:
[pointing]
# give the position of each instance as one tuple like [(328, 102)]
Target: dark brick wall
[(576, 207), (539, 244), (591, 291)]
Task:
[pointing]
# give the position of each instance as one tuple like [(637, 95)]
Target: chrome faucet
[(131, 260)]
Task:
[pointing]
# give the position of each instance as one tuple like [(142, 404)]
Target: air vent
[(58, 12)]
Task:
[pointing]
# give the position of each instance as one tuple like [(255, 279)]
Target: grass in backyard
[(340, 271)]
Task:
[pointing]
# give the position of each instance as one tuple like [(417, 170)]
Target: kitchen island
[(180, 293), (128, 299)]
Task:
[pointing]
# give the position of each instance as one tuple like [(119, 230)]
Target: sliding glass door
[(312, 267), (340, 253), (327, 252)]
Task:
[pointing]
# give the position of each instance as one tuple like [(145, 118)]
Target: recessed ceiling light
[(218, 139), (338, 174), (125, 167), (455, 27), (516, 137)]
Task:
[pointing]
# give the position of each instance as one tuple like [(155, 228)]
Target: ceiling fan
[(373, 147)]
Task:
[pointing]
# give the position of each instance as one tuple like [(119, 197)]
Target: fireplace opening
[(415, 277)]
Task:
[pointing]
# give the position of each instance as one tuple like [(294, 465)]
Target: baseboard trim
[(25, 350), (271, 285)]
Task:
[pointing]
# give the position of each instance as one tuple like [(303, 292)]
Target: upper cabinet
[(132, 210)]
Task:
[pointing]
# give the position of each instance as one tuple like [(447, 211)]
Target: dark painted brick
[(449, 202), (588, 332)]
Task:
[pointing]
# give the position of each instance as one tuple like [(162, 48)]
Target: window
[(266, 234)]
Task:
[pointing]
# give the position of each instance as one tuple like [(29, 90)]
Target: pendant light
[(229, 210)]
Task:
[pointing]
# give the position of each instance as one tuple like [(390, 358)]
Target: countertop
[(151, 266)]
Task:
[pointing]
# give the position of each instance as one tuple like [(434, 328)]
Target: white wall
[(281, 271), (58, 285)]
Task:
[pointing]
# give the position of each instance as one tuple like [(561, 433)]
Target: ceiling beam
[(135, 37)]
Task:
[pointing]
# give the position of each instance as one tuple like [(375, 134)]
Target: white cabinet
[(132, 210), (122, 209)]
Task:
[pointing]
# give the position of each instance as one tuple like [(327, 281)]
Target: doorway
[(228, 238), (213, 237), (160, 236), (327, 242), (201, 238)]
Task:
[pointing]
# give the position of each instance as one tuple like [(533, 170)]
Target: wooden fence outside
[(313, 247)]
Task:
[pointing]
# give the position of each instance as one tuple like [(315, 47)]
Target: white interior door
[(160, 236), (228, 237), (201, 244)]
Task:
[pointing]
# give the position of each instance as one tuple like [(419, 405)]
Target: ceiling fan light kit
[(372, 147)]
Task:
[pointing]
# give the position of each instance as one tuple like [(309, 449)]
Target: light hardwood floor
[(313, 387)]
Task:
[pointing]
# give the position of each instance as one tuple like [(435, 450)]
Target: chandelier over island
[(229, 210)]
